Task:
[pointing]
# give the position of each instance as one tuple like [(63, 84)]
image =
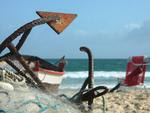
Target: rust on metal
[(59, 25), (26, 67)]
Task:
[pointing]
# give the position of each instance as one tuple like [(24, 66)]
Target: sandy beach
[(124, 102), (129, 101)]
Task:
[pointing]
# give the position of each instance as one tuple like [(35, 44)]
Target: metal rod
[(24, 28), (23, 63), (23, 38), (29, 81)]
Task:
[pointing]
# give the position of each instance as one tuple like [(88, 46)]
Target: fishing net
[(9, 76), (34, 102), (21, 100), (4, 65)]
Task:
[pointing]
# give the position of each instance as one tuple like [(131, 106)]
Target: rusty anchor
[(57, 21)]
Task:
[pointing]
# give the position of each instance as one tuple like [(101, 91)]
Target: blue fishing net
[(34, 102)]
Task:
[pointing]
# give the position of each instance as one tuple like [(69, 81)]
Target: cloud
[(140, 33), (132, 26), (131, 42)]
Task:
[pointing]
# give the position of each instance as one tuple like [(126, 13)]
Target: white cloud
[(132, 26), (142, 33)]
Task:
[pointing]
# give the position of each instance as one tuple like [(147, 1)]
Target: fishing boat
[(48, 73)]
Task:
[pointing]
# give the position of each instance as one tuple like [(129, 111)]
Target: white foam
[(107, 74), (84, 74)]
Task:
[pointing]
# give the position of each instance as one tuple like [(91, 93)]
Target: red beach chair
[(135, 72)]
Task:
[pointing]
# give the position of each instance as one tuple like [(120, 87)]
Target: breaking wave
[(84, 74)]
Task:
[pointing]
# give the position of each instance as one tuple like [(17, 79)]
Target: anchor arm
[(23, 63), (25, 28), (23, 39)]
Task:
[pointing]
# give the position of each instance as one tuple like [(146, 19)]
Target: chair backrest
[(135, 72)]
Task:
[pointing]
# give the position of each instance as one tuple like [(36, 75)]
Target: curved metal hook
[(90, 80), (90, 65)]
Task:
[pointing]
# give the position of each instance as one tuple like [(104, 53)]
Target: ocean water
[(107, 72)]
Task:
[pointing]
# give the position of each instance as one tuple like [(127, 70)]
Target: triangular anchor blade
[(58, 26)]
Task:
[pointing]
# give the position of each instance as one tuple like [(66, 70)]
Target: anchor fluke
[(59, 25)]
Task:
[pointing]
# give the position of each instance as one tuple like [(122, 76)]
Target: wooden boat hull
[(50, 79)]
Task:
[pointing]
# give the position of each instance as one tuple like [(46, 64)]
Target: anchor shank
[(23, 63)]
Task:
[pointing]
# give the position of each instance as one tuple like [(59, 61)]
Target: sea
[(107, 72)]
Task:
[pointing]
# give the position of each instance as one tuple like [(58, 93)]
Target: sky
[(110, 28)]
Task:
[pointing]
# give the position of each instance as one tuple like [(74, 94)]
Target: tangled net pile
[(33, 102), (24, 99)]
